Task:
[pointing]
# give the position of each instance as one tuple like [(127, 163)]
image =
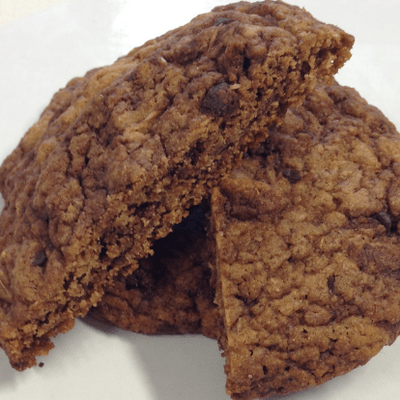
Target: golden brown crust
[(308, 248)]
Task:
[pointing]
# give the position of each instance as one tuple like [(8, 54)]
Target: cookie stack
[(214, 180)]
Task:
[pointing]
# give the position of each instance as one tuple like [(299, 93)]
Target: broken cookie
[(308, 260), (111, 166), (308, 248), (307, 244)]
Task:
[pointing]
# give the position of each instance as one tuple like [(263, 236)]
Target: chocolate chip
[(385, 219), (219, 101), (40, 259), (331, 283), (291, 175), (41, 364), (305, 69), (246, 64), (222, 20)]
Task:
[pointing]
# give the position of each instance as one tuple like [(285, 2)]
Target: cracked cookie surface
[(120, 155), (308, 248), (342, 259)]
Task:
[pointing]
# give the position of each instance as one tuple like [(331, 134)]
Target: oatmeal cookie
[(308, 248), (121, 155)]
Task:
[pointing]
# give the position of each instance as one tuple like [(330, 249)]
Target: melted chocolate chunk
[(222, 21), (219, 101), (40, 259), (291, 175), (385, 219)]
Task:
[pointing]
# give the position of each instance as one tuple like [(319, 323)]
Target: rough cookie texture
[(170, 292), (308, 248), (120, 155)]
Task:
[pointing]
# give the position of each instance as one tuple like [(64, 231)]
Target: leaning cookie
[(335, 136), (308, 248), (310, 222), (86, 193)]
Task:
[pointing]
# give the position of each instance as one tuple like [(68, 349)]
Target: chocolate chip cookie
[(308, 248), (119, 156), (307, 233)]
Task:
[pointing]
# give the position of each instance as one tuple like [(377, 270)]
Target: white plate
[(38, 55)]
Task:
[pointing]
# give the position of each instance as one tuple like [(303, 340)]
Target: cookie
[(308, 248), (119, 156), (170, 292)]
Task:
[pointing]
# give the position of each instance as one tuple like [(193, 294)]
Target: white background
[(39, 53)]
